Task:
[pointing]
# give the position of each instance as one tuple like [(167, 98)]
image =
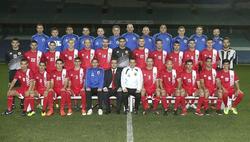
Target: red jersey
[(227, 79), (41, 80), (77, 78), (209, 53), (58, 77), (24, 78), (150, 77), (169, 79), (209, 77), (104, 57), (177, 60), (159, 58), (69, 57), (86, 56), (140, 56), (34, 58), (189, 80), (50, 59), (192, 55)]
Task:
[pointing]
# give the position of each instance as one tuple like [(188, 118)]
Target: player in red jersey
[(189, 83), (159, 55), (33, 56), (150, 86), (86, 54), (209, 85), (141, 54), (69, 55), (176, 56), (76, 83), (192, 54), (50, 57), (209, 52), (26, 90), (59, 83), (104, 54), (229, 84), (168, 85), (42, 81)]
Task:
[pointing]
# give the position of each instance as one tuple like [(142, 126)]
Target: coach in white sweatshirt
[(131, 82)]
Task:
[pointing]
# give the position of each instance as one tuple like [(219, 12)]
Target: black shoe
[(23, 113), (118, 112), (175, 112), (135, 111), (108, 112), (207, 112), (7, 112), (126, 112), (165, 112), (219, 112)]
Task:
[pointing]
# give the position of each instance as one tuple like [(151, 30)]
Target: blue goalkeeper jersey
[(200, 41), (183, 42), (217, 43), (131, 40), (113, 41), (66, 38), (98, 42), (149, 42), (94, 78), (166, 40), (83, 38), (41, 40), (58, 42)]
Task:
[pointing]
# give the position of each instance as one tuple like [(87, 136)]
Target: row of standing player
[(131, 38)]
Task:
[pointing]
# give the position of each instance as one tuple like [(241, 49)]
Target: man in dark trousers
[(13, 57), (112, 86)]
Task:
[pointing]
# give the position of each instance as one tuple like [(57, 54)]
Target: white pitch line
[(130, 136)]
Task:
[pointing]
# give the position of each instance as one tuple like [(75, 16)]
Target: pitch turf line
[(130, 136)]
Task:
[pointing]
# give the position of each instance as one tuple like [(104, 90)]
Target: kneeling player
[(168, 84), (208, 84), (190, 84), (42, 80), (150, 86), (59, 82), (76, 83), (229, 84), (25, 91)]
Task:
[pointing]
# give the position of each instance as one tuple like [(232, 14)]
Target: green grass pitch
[(112, 128)]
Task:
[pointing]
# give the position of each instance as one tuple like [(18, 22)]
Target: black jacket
[(108, 78)]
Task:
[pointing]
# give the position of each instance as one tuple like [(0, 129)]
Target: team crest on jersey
[(14, 56), (19, 76), (167, 39), (226, 79), (149, 40), (135, 74), (209, 78), (70, 57), (134, 38), (98, 72), (203, 39), (11, 53), (220, 42), (92, 74), (185, 41), (126, 52), (117, 52)]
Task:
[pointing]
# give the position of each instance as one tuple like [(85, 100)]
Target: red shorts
[(212, 91), (190, 91), (76, 91), (170, 91), (231, 92), (57, 91), (21, 91), (40, 92), (150, 90)]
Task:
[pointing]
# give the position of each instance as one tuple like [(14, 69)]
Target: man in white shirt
[(131, 82)]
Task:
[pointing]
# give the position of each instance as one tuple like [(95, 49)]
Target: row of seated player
[(125, 82), (131, 38)]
